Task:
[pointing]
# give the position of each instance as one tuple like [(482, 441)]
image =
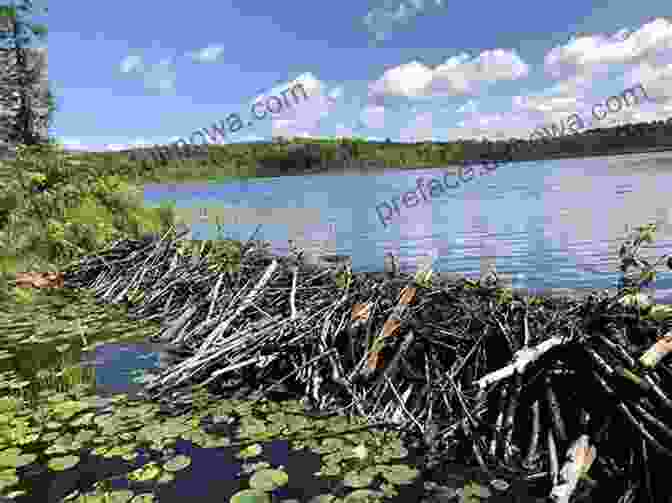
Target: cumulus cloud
[(459, 75), (303, 117), (642, 56), (373, 117), (131, 63), (652, 42), (207, 54), (381, 21), (157, 77), (160, 77)]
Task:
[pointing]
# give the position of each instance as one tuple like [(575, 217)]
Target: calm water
[(545, 225)]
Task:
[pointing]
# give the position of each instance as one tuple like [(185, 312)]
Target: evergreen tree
[(17, 87)]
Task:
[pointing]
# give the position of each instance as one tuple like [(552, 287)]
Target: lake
[(548, 226)]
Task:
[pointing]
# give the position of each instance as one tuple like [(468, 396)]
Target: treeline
[(630, 138), (297, 156), (307, 154)]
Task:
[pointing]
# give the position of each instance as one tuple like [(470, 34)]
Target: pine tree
[(17, 87)]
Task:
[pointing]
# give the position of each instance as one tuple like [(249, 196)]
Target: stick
[(521, 360), (580, 456), (389, 328), (292, 295), (243, 305)]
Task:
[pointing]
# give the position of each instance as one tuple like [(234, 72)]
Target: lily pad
[(361, 496), (251, 451), (13, 458), (178, 463), (250, 496), (473, 491), (144, 473), (268, 480), (399, 474), (143, 498), (165, 478), (357, 479), (63, 463), (121, 496)]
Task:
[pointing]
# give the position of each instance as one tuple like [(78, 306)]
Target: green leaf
[(178, 463), (358, 479), (64, 463), (660, 312), (268, 480), (13, 458), (399, 474), (250, 496), (250, 452), (143, 498), (121, 496)]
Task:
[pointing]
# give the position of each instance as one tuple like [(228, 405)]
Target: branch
[(521, 360)]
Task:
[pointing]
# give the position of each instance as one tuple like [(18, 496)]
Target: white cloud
[(207, 54), (380, 21), (303, 117), (459, 75), (160, 77), (373, 117), (653, 41), (157, 77), (131, 64)]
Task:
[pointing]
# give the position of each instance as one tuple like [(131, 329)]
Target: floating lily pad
[(84, 419), (56, 449), (63, 463), (361, 496), (13, 458), (165, 478), (251, 451), (121, 496), (331, 445), (250, 496), (51, 436), (178, 463), (473, 491), (147, 472), (357, 479), (15, 494), (143, 498), (399, 474), (8, 478), (268, 480)]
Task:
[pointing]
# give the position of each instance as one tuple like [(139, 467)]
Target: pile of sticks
[(544, 388)]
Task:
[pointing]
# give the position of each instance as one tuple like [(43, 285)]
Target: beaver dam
[(571, 394)]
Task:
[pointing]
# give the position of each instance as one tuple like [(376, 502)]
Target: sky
[(129, 74)]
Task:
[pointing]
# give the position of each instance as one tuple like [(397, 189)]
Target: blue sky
[(139, 73)]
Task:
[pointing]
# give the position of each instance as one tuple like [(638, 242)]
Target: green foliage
[(55, 208)]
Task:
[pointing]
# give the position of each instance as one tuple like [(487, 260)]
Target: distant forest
[(307, 154), (297, 156), (630, 138)]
